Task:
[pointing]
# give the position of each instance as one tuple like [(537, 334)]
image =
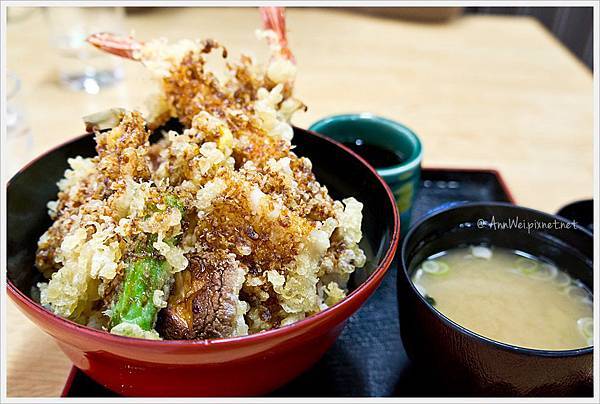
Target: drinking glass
[(19, 141), (81, 66)]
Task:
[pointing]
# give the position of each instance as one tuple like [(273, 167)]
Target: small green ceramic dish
[(402, 178)]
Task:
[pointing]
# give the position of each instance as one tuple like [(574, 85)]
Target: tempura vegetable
[(216, 230), (142, 294)]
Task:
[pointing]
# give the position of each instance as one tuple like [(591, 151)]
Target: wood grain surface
[(480, 91)]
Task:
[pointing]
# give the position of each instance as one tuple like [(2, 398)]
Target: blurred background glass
[(18, 133), (79, 65)]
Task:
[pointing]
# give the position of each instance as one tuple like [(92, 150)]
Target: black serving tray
[(368, 359)]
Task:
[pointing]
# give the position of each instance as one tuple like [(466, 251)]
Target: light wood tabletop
[(480, 91)]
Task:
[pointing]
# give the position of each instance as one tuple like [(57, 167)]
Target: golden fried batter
[(220, 229)]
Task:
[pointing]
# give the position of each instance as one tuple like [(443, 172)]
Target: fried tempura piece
[(205, 299), (122, 153), (81, 250), (221, 229)]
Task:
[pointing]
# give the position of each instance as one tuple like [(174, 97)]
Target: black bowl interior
[(555, 239), (31, 189)]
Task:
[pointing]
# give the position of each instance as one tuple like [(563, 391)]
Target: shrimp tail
[(274, 19), (120, 45)]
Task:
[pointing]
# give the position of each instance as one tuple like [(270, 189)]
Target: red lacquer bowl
[(241, 366)]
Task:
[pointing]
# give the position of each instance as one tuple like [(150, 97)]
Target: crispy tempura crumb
[(250, 238)]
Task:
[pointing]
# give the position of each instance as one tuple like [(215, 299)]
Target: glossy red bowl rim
[(365, 289)]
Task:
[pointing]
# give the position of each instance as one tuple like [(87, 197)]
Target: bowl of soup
[(496, 300)]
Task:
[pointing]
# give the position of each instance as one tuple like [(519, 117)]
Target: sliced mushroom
[(205, 301)]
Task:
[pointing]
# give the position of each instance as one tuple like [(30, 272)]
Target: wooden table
[(481, 91)]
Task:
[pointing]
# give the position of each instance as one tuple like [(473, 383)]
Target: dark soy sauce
[(377, 156)]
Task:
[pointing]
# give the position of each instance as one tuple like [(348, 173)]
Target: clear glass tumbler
[(19, 140), (81, 66)]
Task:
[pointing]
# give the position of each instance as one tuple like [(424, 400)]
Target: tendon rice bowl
[(217, 230)]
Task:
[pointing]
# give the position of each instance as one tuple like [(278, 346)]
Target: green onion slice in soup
[(435, 267), (526, 266)]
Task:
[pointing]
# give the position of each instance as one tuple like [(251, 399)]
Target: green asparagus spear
[(143, 276), (135, 304)]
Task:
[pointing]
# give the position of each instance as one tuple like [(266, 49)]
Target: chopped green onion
[(435, 267), (586, 327), (417, 276), (547, 272), (526, 265), (481, 252), (576, 292), (587, 301), (562, 279)]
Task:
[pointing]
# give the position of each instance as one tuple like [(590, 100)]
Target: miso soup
[(508, 296)]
